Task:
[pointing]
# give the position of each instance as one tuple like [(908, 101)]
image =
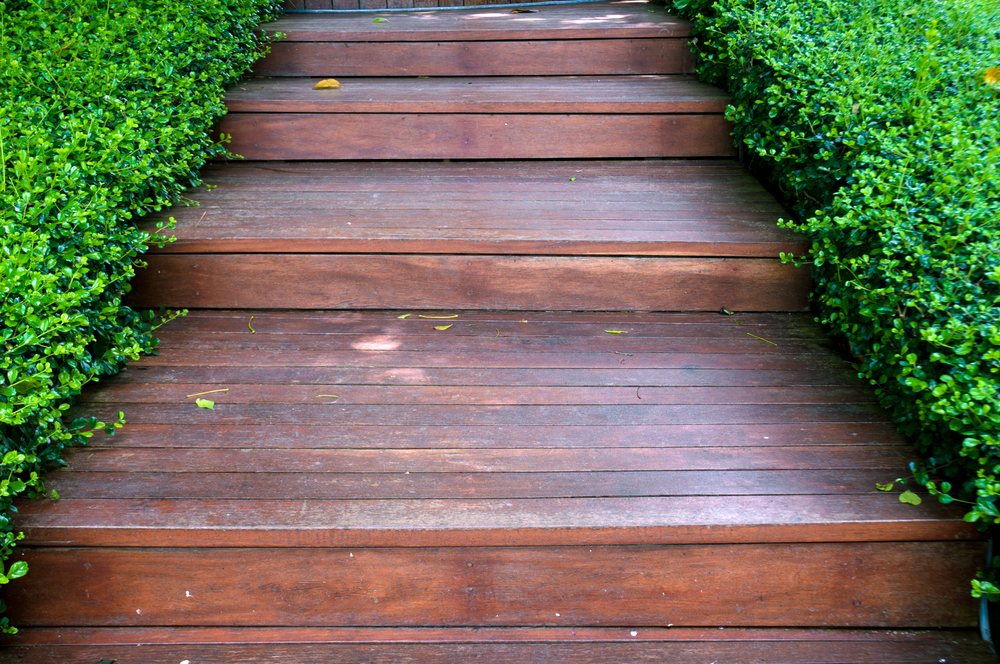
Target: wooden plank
[(484, 522), (892, 459), (78, 485), (500, 645), (621, 20), (483, 395), (207, 436), (470, 282), (592, 57), (501, 94), (471, 136), (750, 585)]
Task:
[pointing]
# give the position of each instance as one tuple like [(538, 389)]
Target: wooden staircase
[(473, 395)]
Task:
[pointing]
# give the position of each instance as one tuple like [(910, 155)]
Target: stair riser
[(487, 58), (823, 585), (293, 136), (283, 281)]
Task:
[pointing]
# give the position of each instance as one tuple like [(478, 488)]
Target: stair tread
[(661, 208), (558, 644), (620, 20), (500, 94), (624, 464)]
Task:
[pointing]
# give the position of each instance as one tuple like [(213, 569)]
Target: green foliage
[(878, 121), (104, 116)]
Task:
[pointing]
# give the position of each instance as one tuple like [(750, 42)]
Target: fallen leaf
[(523, 11), (423, 76), (572, 179), (761, 338), (326, 84), (328, 396), (615, 332), (474, 324), (992, 76), (884, 487), (725, 312), (404, 316), (252, 331), (380, 20), (498, 333), (437, 317), (909, 498), (198, 394), (442, 327), (205, 403)]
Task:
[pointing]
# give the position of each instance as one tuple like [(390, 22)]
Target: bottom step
[(581, 645)]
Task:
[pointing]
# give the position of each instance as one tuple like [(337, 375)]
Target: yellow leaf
[(329, 396), (252, 331), (326, 84), (992, 76), (436, 317), (442, 327), (205, 403), (198, 394), (615, 332), (403, 316)]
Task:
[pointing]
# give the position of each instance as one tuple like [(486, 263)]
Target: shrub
[(878, 122), (105, 116)]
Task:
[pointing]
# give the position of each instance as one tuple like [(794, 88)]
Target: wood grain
[(617, 20), (837, 585), (469, 136), (469, 282), (592, 57), (499, 94)]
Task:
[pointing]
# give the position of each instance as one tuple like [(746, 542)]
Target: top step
[(596, 20)]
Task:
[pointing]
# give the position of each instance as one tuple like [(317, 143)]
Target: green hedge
[(878, 122), (104, 116)]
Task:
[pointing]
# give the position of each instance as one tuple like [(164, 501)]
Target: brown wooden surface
[(471, 136), (860, 585), (620, 20), (605, 57), (499, 94), (293, 281), (634, 208), (501, 645)]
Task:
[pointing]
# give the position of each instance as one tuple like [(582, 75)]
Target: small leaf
[(380, 20), (252, 331), (909, 498), (205, 403), (572, 179), (615, 332), (442, 327), (523, 11), (436, 317), (725, 312), (884, 487), (329, 396), (17, 570), (55, 495), (403, 316), (326, 84), (992, 76)]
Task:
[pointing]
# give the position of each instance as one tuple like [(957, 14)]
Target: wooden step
[(700, 235), (434, 477), (555, 645), (494, 118), (597, 38)]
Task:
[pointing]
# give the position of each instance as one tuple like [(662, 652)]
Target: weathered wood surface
[(836, 585), (499, 94), (583, 57), (305, 281), (278, 136), (631, 208), (551, 432), (617, 20), (500, 645)]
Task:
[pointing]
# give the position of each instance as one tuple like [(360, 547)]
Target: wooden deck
[(487, 409)]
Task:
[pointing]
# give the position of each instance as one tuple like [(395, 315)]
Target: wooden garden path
[(487, 408)]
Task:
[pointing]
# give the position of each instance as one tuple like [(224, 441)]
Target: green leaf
[(17, 570), (615, 332), (909, 498), (380, 20), (884, 487), (205, 403)]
